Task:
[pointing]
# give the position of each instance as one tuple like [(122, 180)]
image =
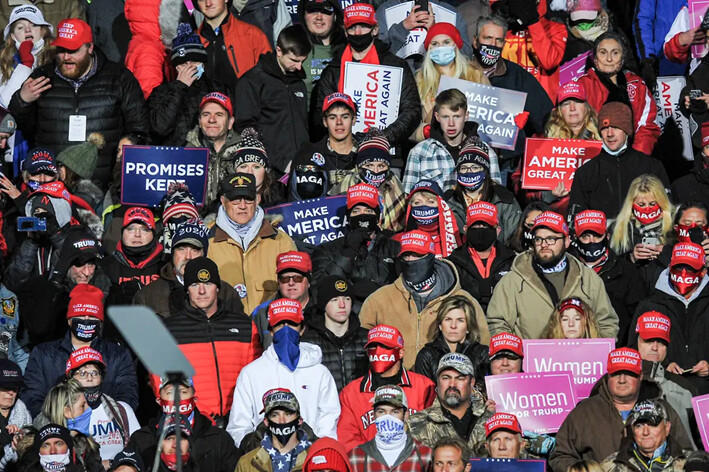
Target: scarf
[(447, 234), (371, 58), (616, 93), (244, 234), (650, 230), (560, 267), (156, 251)]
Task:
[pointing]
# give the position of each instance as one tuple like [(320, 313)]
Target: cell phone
[(422, 4), (31, 223), (695, 94), (697, 235), (650, 241), (705, 22)]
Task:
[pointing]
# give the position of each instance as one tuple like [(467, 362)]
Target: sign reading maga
[(550, 161), (376, 90)]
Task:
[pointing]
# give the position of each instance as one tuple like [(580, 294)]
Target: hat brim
[(239, 193), (391, 402), (506, 352), (191, 241), (450, 367), (693, 263), (588, 15), (69, 44)]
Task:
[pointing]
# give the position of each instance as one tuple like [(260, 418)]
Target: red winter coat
[(356, 424), (539, 49), (642, 104)]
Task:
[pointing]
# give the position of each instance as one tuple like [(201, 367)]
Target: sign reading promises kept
[(147, 171), (376, 90), (550, 161)]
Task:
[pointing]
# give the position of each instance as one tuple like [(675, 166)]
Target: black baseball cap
[(239, 184)]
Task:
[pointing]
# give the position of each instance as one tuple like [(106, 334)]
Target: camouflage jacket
[(627, 459)]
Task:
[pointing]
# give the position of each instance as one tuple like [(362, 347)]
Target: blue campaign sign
[(314, 221), (493, 108), (147, 171), (487, 464)]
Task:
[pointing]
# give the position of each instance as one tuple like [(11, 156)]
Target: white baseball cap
[(30, 13)]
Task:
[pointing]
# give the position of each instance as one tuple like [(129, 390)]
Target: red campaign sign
[(550, 161)]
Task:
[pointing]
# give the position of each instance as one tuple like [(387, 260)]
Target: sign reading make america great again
[(314, 221), (376, 90)]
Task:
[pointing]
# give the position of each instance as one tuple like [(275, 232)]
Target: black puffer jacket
[(111, 100), (344, 357), (429, 356), (693, 186)]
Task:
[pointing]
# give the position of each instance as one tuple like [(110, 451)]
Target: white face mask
[(390, 429), (620, 149), (36, 47), (54, 462)]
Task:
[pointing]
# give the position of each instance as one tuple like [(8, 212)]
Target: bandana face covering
[(170, 460), (52, 462), (283, 431), (363, 220), (648, 214), (186, 406), (373, 178), (488, 55), (286, 342), (471, 180), (390, 429), (425, 215), (684, 281), (382, 358), (419, 274)]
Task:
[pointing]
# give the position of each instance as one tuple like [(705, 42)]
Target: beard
[(453, 398), (80, 68), (547, 262)]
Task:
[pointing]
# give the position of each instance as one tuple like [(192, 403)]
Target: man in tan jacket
[(524, 299), (411, 302)]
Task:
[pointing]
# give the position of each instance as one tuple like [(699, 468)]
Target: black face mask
[(140, 253), (283, 431), (85, 330), (480, 239), (487, 55), (527, 239), (363, 220), (93, 396), (360, 42), (373, 178), (309, 184), (419, 274), (591, 252)]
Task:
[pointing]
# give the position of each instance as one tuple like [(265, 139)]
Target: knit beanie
[(375, 147), (618, 115), (82, 158), (332, 287), (85, 300), (250, 149), (178, 200), (7, 124), (187, 46), (474, 151)]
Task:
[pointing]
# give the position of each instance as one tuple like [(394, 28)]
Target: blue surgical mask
[(443, 55), (471, 180), (200, 70), (425, 215), (286, 342), (81, 423)]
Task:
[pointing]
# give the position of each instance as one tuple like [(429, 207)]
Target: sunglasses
[(285, 279)]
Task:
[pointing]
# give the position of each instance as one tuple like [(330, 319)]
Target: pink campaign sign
[(701, 413), (540, 401), (586, 359), (573, 69), (697, 8)]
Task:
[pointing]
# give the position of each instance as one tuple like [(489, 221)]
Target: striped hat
[(375, 148), (187, 46), (474, 151), (250, 149)]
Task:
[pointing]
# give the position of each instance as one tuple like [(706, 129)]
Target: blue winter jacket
[(651, 23)]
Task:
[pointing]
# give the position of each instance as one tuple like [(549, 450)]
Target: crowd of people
[(368, 352)]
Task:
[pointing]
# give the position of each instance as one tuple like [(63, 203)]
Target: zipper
[(233, 57), (216, 363), (342, 366)]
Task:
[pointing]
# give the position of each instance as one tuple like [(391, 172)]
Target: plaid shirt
[(415, 457)]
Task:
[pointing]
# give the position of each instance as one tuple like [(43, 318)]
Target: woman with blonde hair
[(644, 220), (572, 319), (443, 57)]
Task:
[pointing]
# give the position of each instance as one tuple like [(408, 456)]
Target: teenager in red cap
[(682, 294), (540, 278), (411, 302), (385, 349), (695, 185), (609, 405)]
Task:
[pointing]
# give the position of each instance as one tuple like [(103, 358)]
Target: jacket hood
[(310, 355), (441, 264), (649, 390), (293, 185), (326, 443), (269, 64), (663, 285)]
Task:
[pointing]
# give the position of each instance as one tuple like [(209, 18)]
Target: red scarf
[(151, 256), (484, 270), (445, 235), (371, 58)]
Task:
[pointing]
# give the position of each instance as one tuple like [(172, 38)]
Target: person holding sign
[(572, 319)]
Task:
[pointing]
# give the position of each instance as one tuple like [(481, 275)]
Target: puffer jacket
[(344, 356), (522, 305), (110, 99), (651, 22), (253, 272), (428, 358), (581, 439), (356, 424), (218, 347), (394, 305), (692, 186)]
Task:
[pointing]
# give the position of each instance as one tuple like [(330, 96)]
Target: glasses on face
[(285, 279), (470, 168), (83, 374), (549, 240)]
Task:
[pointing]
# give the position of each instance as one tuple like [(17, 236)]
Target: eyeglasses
[(549, 240), (87, 373), (470, 168), (285, 279)]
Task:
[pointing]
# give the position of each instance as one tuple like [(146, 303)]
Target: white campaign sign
[(414, 43), (376, 90), (667, 101)]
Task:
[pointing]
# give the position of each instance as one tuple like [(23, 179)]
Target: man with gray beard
[(459, 410)]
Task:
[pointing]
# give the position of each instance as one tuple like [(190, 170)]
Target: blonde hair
[(556, 127), (646, 184), (590, 324), (585, 466), (61, 396), (428, 77), (459, 302), (7, 55)]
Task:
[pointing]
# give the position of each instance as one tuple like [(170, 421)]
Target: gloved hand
[(525, 11), (649, 70), (539, 444), (521, 119), (25, 52), (427, 131), (355, 239)]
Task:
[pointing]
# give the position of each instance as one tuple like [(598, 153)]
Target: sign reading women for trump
[(550, 161), (314, 221), (585, 358), (493, 108), (147, 171), (376, 90), (541, 402), (697, 9), (573, 69)]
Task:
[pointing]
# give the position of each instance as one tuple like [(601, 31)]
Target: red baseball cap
[(85, 300), (294, 260), (219, 99), (553, 221), (82, 356), (504, 421), (385, 335), (571, 304), (443, 28), (505, 342), (590, 220), (688, 253), (363, 193), (73, 33), (626, 359), (482, 211), (284, 309), (417, 242), (705, 133), (360, 13), (338, 97), (653, 325), (139, 215), (571, 90)]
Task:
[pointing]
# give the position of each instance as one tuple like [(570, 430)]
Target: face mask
[(648, 214), (591, 252), (443, 55), (390, 429), (81, 423), (309, 184), (51, 462), (425, 215), (200, 70), (36, 46), (283, 431), (286, 342), (33, 185), (170, 460), (373, 178), (480, 239), (363, 220), (93, 396), (471, 180), (85, 330), (488, 55), (683, 232), (683, 280), (360, 42), (618, 152), (186, 406), (585, 26), (382, 358), (419, 274)]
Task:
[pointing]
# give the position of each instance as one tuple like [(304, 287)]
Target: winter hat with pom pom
[(250, 149), (82, 158), (178, 200)]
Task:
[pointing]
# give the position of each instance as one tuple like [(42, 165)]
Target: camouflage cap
[(280, 398), (392, 395)]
